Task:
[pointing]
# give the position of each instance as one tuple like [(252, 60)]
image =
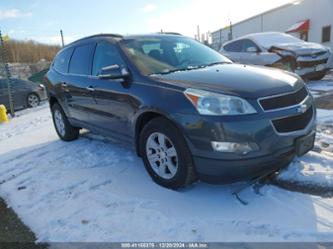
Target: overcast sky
[(41, 20)]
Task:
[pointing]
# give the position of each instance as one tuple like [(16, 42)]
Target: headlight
[(208, 103)]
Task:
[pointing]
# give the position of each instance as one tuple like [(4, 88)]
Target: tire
[(62, 126), (179, 159), (33, 100)]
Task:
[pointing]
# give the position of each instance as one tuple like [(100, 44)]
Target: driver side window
[(248, 45), (106, 54)]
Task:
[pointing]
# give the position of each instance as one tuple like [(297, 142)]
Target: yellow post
[(3, 114)]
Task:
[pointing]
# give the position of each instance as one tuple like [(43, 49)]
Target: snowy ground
[(316, 168), (94, 190)]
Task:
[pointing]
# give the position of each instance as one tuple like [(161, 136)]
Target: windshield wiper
[(177, 70), (214, 64), (192, 67)]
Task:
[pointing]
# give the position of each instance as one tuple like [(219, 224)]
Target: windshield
[(268, 40), (162, 55)]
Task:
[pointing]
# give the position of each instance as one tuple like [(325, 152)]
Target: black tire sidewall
[(71, 133), (184, 157)]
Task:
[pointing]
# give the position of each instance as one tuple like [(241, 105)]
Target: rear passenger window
[(235, 46), (62, 59), (106, 54), (81, 60)]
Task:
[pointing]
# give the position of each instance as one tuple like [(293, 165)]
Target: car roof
[(117, 37), (253, 36)]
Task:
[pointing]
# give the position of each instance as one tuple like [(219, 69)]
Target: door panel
[(112, 106), (246, 57), (78, 97), (20, 92), (78, 82)]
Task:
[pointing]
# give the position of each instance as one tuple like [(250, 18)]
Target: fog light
[(238, 148)]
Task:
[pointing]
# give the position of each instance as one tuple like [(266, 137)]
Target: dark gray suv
[(188, 111)]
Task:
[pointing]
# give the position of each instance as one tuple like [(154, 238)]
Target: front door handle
[(64, 84), (90, 89)]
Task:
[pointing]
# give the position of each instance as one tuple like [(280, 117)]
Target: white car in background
[(275, 49)]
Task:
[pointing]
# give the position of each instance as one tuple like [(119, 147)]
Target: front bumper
[(308, 66), (276, 150), (229, 171)]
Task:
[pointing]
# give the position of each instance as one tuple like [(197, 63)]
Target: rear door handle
[(90, 88), (64, 84)]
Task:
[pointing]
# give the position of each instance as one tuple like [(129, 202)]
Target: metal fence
[(18, 81)]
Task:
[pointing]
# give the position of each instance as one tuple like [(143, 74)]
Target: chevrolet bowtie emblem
[(302, 109)]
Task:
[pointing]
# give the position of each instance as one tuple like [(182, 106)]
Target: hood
[(235, 79), (302, 48)]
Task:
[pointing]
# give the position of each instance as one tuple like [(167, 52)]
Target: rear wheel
[(63, 128), (33, 100), (166, 155)]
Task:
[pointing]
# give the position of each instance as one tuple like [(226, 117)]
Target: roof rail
[(97, 35), (170, 33)]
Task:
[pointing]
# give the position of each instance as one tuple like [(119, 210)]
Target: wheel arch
[(53, 100), (145, 117)]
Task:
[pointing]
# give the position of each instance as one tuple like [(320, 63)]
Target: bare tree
[(29, 51)]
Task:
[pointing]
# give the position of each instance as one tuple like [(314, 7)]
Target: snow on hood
[(301, 48)]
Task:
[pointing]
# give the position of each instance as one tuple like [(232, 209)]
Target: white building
[(310, 20)]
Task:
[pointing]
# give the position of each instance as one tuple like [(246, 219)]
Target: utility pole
[(3, 61), (231, 36), (62, 38), (220, 45), (198, 32)]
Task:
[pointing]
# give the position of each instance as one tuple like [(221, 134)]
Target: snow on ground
[(315, 169), (321, 87), (95, 190)]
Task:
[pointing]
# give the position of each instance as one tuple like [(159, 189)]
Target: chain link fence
[(21, 84)]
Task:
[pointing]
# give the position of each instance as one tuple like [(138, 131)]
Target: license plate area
[(305, 144), (321, 67)]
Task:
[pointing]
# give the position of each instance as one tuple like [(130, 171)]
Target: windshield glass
[(161, 55), (268, 40)]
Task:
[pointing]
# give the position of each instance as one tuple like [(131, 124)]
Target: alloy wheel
[(59, 123), (33, 100), (162, 155)]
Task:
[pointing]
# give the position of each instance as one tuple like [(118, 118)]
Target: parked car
[(39, 76), (188, 111), (25, 93), (280, 50)]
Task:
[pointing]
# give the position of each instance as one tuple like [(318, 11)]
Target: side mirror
[(113, 72), (252, 50)]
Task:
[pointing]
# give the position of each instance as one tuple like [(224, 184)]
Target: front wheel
[(166, 155), (63, 128)]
